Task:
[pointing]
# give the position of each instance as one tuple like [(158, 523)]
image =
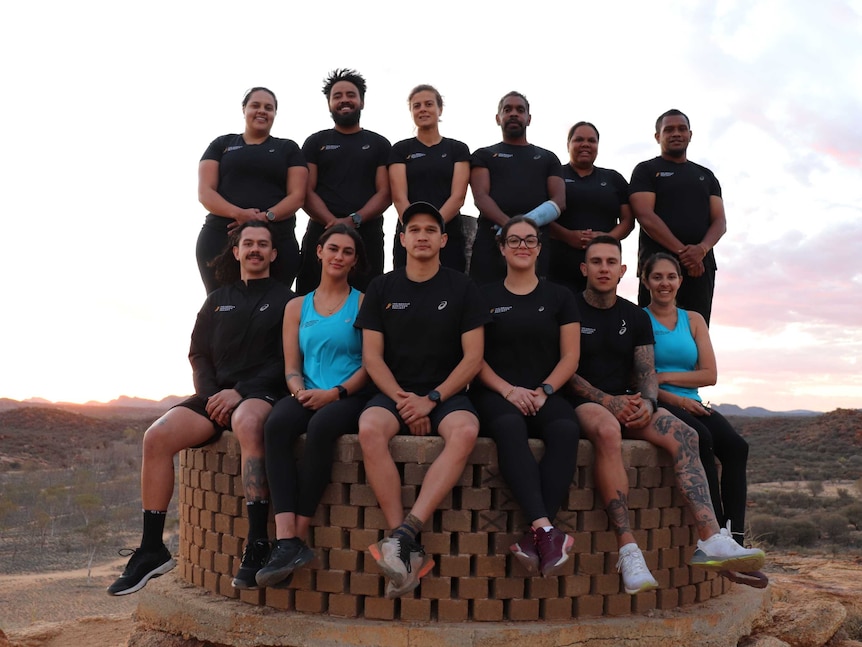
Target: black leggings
[(297, 486), (540, 487), (718, 439)]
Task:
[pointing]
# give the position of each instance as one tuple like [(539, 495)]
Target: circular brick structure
[(475, 577)]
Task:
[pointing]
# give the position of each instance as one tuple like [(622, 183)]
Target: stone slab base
[(168, 605)]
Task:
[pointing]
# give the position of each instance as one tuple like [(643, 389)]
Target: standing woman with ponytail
[(430, 168)]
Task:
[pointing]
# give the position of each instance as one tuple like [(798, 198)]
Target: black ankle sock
[(258, 515), (154, 527)]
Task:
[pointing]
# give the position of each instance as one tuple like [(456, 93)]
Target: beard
[(346, 119), (514, 130)]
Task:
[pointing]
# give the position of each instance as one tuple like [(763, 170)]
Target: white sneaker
[(721, 553), (636, 575)]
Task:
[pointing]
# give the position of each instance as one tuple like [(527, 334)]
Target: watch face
[(270, 216), (548, 389), (434, 396)]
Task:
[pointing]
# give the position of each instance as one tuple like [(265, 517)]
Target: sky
[(107, 108)]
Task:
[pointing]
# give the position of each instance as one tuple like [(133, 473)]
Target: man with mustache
[(512, 178), (347, 179), (679, 207), (238, 375)]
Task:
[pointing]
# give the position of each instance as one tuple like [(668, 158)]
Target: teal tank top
[(675, 351), (331, 347)]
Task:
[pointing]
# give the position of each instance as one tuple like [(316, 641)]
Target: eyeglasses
[(514, 242)]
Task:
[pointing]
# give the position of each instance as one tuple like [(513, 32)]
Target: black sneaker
[(142, 566), (287, 555), (253, 559)]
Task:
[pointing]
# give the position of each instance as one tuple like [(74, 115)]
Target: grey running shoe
[(143, 565), (400, 559)]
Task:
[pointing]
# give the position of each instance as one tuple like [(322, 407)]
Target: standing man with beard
[(512, 178), (347, 179), (679, 207)]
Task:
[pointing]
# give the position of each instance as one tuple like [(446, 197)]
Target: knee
[(607, 439), (463, 438), (249, 434), (372, 440)]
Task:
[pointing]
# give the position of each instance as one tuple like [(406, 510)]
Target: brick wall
[(475, 577)]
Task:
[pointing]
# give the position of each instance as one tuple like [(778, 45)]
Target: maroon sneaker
[(553, 546), (526, 552)]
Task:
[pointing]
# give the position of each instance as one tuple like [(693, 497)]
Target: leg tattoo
[(618, 513), (254, 479)]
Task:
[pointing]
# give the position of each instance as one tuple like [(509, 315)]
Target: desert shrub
[(853, 513), (833, 525), (784, 532)]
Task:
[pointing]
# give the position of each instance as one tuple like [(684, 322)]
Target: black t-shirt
[(519, 175), (429, 168), (346, 167), (608, 341), (522, 342), (253, 176), (682, 193), (422, 323), (592, 202)]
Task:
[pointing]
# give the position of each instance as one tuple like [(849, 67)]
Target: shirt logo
[(587, 331), (398, 305), (500, 310), (603, 183), (310, 322), (623, 327), (414, 156), (271, 150), (541, 308), (445, 155), (330, 147), (664, 174), (504, 155), (231, 148), (537, 157), (366, 147), (701, 178), (570, 180), (264, 307), (225, 308), (442, 305)]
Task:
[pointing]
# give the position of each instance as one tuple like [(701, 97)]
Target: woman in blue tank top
[(684, 361), (326, 380)]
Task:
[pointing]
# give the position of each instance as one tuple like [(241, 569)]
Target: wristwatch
[(547, 388), (356, 218), (342, 392), (270, 216), (434, 396)]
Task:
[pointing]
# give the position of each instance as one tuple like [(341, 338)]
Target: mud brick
[(240, 526), (605, 584), (457, 520), (555, 609), (648, 518), (280, 599), (490, 565), (207, 480), (212, 501), (436, 543), (310, 601), (472, 588), (207, 520), (491, 521), (566, 521), (343, 560), (361, 539), (662, 576), (436, 588), (667, 598), (677, 499), (619, 604), (487, 610), (198, 535), (484, 453), (221, 564), (589, 605), (679, 576), (205, 559), (668, 477), (336, 494), (231, 505), (362, 495), (704, 591), (649, 477), (668, 558), (198, 461), (490, 477), (365, 584), (331, 581), (523, 610), (414, 474), (212, 462), (586, 454), (454, 565), (372, 518), (225, 588), (697, 575), (632, 474), (238, 486), (687, 552), (223, 524), (408, 496), (585, 477), (321, 516), (415, 609), (576, 585), (604, 541), (194, 554), (472, 543), (379, 609), (687, 595), (194, 479), (445, 503), (504, 499), (252, 596), (671, 517), (198, 499), (591, 563), (716, 585), (660, 497), (517, 569), (583, 542), (466, 478), (303, 580), (231, 545), (543, 587), (211, 581), (643, 602), (231, 465), (344, 473), (659, 538), (344, 606), (593, 520), (638, 498), (475, 498), (344, 516), (452, 610), (638, 453), (679, 535), (331, 537), (370, 566), (347, 449), (508, 588), (502, 541)]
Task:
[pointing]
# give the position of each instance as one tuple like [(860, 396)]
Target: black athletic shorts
[(458, 402), (198, 404)]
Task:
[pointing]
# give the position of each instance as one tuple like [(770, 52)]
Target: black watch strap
[(342, 392)]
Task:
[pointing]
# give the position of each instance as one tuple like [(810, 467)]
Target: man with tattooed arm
[(615, 392)]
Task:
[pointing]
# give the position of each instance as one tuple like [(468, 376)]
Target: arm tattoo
[(644, 372), (254, 479), (290, 375), (618, 513), (586, 390)]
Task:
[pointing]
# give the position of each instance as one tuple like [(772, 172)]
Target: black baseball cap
[(426, 208)]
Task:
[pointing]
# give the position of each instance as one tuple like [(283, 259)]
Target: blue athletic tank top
[(331, 347), (675, 351)]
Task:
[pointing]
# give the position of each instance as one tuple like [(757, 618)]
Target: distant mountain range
[(127, 402)]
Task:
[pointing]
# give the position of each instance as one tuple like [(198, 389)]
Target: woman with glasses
[(532, 347)]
